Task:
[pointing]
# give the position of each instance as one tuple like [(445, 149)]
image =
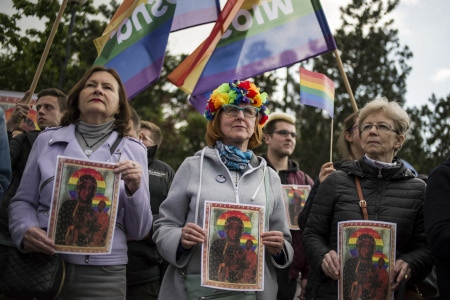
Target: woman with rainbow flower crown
[(224, 171)]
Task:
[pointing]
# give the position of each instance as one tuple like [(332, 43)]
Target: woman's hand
[(36, 240), (191, 235), (331, 265), (273, 241), (400, 272), (327, 169), (131, 174)]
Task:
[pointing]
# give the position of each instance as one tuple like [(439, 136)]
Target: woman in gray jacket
[(225, 171)]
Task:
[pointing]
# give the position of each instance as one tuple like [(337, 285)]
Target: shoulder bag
[(32, 274), (427, 288)]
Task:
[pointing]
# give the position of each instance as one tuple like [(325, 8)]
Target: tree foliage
[(375, 62)]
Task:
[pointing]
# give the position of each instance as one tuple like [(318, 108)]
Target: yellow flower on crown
[(236, 92)]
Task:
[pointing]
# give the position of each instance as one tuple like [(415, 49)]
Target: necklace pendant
[(88, 151)]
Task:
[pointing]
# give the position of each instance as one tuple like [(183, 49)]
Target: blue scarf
[(233, 158)]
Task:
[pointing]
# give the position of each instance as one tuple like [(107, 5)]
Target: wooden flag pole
[(45, 53), (346, 83)]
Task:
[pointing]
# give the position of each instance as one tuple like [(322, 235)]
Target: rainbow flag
[(317, 90), (134, 42), (189, 13), (186, 75), (263, 35)]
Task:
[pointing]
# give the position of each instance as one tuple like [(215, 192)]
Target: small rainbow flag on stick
[(317, 90)]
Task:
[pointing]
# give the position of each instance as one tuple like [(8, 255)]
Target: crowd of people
[(161, 232)]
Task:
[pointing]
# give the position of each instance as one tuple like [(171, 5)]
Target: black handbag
[(34, 274), (428, 287)]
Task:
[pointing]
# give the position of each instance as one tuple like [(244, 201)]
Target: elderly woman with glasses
[(225, 171), (392, 194)]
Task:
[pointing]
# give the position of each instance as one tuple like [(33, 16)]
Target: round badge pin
[(221, 178)]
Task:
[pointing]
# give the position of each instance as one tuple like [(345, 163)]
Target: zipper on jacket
[(379, 176)]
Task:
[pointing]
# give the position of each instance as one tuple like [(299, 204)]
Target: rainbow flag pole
[(44, 55), (317, 90)]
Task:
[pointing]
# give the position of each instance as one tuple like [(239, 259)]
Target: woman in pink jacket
[(96, 119)]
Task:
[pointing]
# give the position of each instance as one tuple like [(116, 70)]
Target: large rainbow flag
[(189, 13), (134, 42), (263, 35), (317, 90)]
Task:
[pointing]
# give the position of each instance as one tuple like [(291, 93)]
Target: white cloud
[(441, 75), (410, 2)]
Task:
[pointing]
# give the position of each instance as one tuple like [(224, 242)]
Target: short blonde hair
[(276, 117), (390, 109), (156, 137)]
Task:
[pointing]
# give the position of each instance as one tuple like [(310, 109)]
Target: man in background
[(50, 105), (280, 138), (146, 267)]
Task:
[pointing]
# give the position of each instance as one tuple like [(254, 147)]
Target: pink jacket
[(31, 204)]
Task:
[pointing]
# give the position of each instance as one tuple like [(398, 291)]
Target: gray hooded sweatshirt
[(217, 184)]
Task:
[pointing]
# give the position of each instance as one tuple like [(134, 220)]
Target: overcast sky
[(423, 25)]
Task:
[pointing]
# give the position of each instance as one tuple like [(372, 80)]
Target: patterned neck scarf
[(379, 164), (233, 158)]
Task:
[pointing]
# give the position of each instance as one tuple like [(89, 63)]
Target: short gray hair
[(391, 109)]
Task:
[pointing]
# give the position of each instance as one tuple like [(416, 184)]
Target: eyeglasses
[(285, 133), (381, 127), (233, 110), (350, 130)]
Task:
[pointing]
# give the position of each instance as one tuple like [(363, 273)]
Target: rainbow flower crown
[(236, 92)]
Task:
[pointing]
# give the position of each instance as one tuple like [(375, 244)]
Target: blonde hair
[(343, 146), (390, 109), (276, 117), (155, 131)]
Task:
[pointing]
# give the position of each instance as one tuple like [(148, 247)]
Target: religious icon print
[(367, 254), (84, 206), (295, 197), (233, 254)]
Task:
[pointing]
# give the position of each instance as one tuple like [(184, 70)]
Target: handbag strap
[(362, 202), (115, 144)]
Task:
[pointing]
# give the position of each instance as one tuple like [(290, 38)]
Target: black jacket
[(19, 150), (392, 195), (145, 264), (437, 223)]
